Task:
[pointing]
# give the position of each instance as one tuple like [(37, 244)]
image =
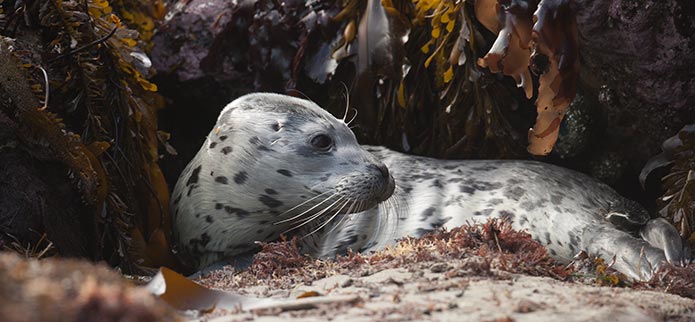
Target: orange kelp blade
[(184, 294)]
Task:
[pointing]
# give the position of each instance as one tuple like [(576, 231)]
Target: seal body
[(275, 164)]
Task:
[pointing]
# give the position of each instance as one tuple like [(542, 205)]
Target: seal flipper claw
[(627, 215), (661, 234), (687, 259)]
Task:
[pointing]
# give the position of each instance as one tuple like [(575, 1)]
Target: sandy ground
[(476, 274), (432, 294)]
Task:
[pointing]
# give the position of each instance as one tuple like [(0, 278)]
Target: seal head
[(271, 164)]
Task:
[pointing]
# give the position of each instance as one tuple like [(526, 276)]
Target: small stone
[(527, 306), (347, 283), (439, 267)]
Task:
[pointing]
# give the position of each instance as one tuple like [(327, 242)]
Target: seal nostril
[(384, 170)]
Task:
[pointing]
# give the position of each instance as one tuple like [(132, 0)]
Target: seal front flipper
[(629, 216), (661, 234), (630, 255)]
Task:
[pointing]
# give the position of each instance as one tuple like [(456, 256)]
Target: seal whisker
[(353, 118), (306, 201), (329, 219), (345, 216), (389, 208), (392, 208), (318, 214), (294, 90), (389, 219), (313, 217), (301, 204), (342, 198), (393, 217), (342, 219), (401, 204), (379, 225), (346, 94)]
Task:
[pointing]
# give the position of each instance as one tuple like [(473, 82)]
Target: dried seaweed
[(517, 252), (493, 246), (672, 279), (485, 250), (281, 258)]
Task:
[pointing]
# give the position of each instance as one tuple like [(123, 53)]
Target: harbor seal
[(275, 164)]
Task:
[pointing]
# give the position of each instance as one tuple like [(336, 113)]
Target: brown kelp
[(98, 117), (678, 200)]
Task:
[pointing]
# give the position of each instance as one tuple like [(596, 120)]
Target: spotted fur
[(271, 180)]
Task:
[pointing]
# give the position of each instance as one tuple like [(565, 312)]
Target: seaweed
[(486, 249), (45, 128), (426, 62), (547, 40), (419, 77), (141, 16), (678, 200), (100, 118)]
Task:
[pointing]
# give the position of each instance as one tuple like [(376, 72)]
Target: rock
[(637, 58)]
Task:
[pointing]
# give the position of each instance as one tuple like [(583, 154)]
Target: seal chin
[(388, 191)]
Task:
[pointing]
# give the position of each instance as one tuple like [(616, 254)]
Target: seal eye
[(322, 142)]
